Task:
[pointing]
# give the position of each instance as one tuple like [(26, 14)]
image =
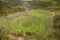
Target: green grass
[(36, 23), (43, 14)]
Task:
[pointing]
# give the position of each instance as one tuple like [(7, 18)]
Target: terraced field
[(34, 25)]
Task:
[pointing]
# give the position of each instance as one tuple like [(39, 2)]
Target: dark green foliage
[(45, 5), (16, 5), (57, 27), (8, 8), (57, 22), (56, 36), (40, 4)]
